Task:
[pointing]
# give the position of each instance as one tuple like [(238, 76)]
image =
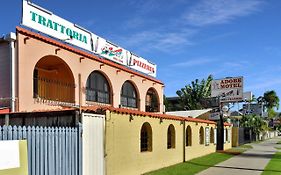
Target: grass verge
[(273, 167), (279, 142), (199, 164)]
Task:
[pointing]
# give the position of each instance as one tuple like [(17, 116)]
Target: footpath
[(251, 162)]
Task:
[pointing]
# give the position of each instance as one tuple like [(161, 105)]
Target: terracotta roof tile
[(83, 53), (227, 124), (140, 113), (41, 110), (4, 110)]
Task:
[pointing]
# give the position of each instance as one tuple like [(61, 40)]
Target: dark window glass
[(151, 101), (97, 88), (128, 95), (188, 139), (171, 137), (35, 83), (146, 137), (201, 136), (212, 135)]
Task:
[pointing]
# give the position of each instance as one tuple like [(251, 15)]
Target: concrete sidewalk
[(251, 162)]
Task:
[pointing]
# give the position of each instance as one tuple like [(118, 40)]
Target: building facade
[(39, 73)]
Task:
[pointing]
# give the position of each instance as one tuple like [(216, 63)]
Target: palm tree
[(192, 94), (271, 99)]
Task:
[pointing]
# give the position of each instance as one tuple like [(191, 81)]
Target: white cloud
[(163, 41), (194, 62), (147, 31), (209, 12)]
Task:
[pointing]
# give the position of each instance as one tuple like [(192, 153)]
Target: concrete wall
[(123, 154), (31, 50), (5, 67), (197, 150), (235, 136), (228, 143)]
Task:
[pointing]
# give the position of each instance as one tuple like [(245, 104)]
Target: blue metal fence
[(51, 150)]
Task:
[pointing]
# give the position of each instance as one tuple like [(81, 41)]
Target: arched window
[(226, 135), (212, 138), (201, 136), (151, 101), (146, 137), (97, 88), (188, 136), (171, 137), (129, 95)]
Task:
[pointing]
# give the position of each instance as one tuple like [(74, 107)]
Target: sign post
[(229, 89)]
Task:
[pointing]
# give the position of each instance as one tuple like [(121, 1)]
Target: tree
[(167, 104), (192, 94), (255, 122), (271, 99)]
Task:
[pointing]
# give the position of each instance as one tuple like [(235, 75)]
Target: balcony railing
[(55, 90)]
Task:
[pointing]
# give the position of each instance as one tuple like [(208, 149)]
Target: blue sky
[(187, 39)]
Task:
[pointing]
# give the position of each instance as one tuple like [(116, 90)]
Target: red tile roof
[(117, 110), (39, 111), (4, 110), (140, 113), (82, 53), (227, 124)]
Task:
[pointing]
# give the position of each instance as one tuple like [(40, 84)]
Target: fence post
[(80, 145), (7, 119), (0, 132)]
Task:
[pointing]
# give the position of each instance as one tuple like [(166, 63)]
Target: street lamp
[(224, 108)]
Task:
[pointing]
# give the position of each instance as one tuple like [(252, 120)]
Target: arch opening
[(53, 80), (98, 88), (171, 137), (201, 136), (129, 95), (146, 137), (152, 101), (188, 135)]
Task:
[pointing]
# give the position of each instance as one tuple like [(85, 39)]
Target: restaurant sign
[(42, 20), (45, 21), (142, 65), (111, 51)]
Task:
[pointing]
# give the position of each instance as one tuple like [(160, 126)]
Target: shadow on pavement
[(238, 168)]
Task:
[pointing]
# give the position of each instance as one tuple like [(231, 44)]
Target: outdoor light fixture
[(57, 49), (25, 39), (101, 65), (224, 108), (81, 58), (117, 71), (161, 120), (131, 117)]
